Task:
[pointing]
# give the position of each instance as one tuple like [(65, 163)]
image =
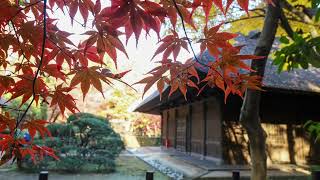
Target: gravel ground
[(165, 169), (128, 168)]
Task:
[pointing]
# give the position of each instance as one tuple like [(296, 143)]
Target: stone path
[(195, 168), (155, 154)]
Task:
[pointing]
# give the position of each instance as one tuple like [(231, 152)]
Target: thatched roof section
[(298, 80)]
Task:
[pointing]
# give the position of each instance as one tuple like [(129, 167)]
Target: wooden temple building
[(206, 127)]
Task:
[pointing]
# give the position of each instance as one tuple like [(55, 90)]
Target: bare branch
[(304, 17), (241, 19), (285, 24), (17, 37)]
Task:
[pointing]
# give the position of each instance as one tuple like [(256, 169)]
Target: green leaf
[(278, 59), (284, 40), (317, 16), (304, 65), (314, 62), (280, 67)]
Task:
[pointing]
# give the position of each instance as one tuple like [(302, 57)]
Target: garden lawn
[(128, 167)]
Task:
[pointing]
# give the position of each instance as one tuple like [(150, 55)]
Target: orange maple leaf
[(231, 61), (86, 77), (215, 40)]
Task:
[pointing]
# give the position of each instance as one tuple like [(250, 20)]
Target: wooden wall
[(197, 132), (172, 127), (194, 128), (213, 128), (182, 113), (164, 124), (282, 117), (210, 128), (287, 143), (234, 144)]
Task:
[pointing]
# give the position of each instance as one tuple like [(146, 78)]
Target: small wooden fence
[(44, 175)]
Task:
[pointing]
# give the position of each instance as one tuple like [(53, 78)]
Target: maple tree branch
[(304, 17), (300, 21), (263, 15), (6, 70), (184, 29), (251, 10), (39, 66), (245, 18), (3, 106), (189, 41), (285, 24)]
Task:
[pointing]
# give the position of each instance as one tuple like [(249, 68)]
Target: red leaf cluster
[(39, 61)]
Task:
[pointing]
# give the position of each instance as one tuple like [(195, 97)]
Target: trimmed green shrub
[(86, 143), (148, 141)]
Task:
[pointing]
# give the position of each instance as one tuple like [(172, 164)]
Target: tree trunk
[(249, 117)]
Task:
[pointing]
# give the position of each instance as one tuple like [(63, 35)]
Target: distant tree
[(119, 106)]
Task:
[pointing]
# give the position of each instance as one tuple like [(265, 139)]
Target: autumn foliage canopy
[(33, 49)]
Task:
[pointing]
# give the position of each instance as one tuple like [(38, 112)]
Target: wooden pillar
[(149, 175), (161, 126), (205, 109), (43, 175), (236, 175), (167, 129), (176, 127), (189, 129)]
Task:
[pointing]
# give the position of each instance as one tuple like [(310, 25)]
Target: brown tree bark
[(249, 117)]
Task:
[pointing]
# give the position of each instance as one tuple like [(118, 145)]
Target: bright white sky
[(139, 57)]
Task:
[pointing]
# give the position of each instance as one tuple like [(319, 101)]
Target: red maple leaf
[(24, 88), (183, 6), (87, 77), (34, 126), (54, 70), (84, 6), (171, 44), (5, 83), (104, 43), (136, 15), (63, 99), (7, 122), (244, 4)]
